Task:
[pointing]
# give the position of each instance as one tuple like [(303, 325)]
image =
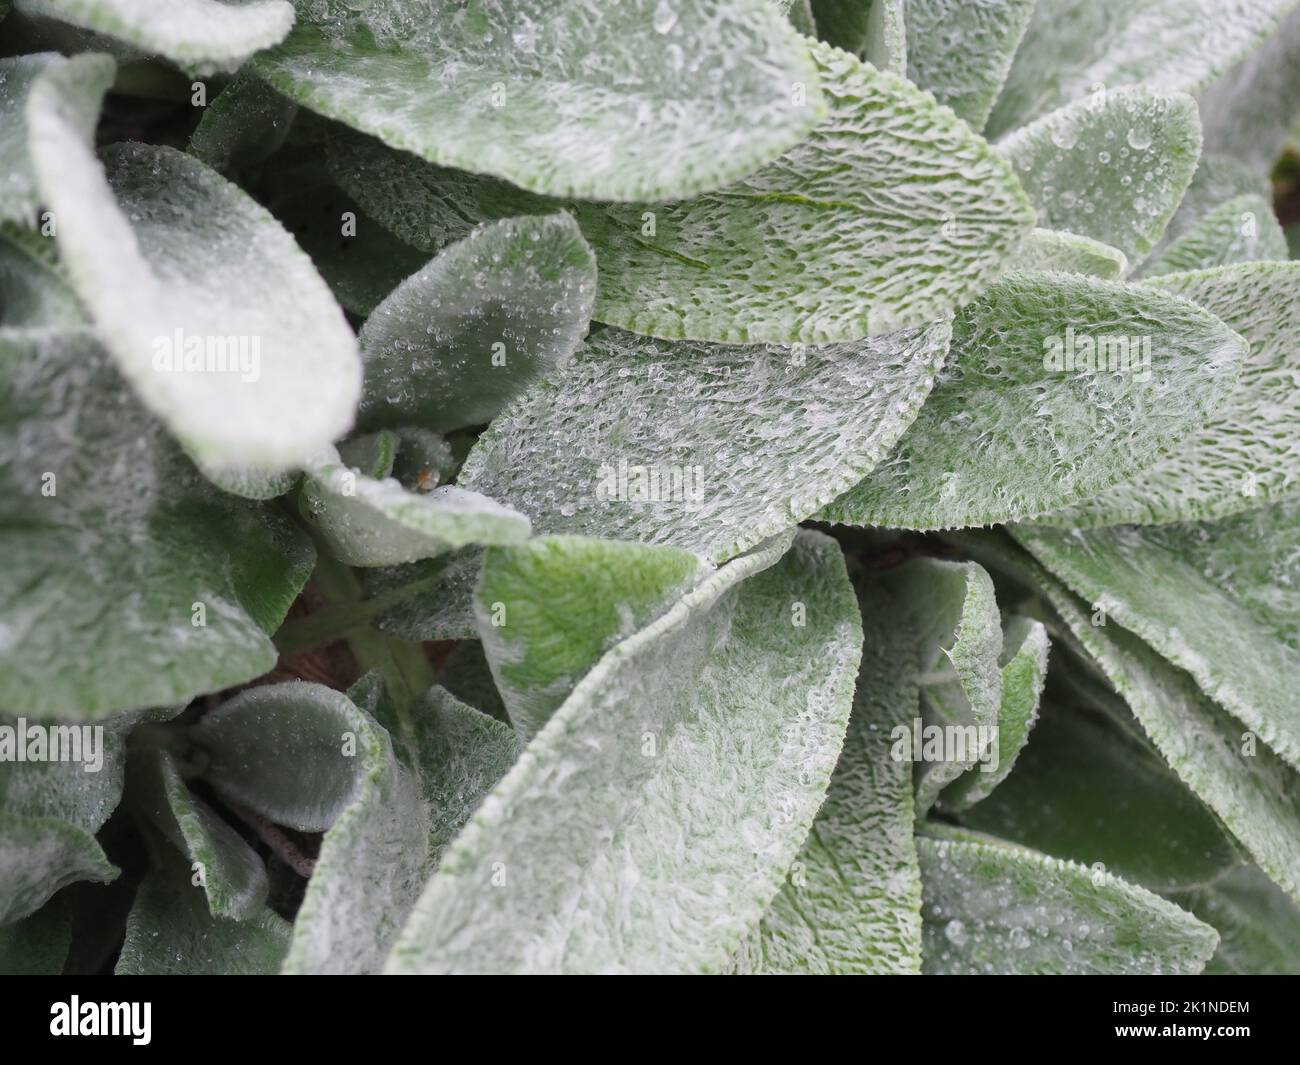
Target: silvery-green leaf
[(369, 522), (1249, 788), (1258, 926), (1248, 453), (75, 773), (452, 344), (1248, 113), (1113, 167), (1024, 671), (995, 908), (428, 600), (953, 615), (925, 215), (34, 291), (223, 867), (1217, 180), (707, 448), (1011, 429), (203, 35), (672, 98), (210, 310), (852, 900), (118, 551), (1074, 46), (460, 755), (1049, 250), (547, 611), (961, 50), (360, 260), (249, 483), (1240, 230), (18, 195), (1212, 601), (40, 855), (59, 784), (248, 741), (371, 865), (171, 933), (38, 944), (246, 122), (1089, 787), (600, 860)]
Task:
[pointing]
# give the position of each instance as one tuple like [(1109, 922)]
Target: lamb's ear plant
[(682, 486)]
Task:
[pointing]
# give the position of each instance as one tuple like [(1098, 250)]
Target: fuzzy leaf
[(547, 611), (992, 907), (1248, 453), (496, 89), (925, 216), (1253, 795), (1113, 167), (228, 871), (40, 855), (371, 865), (1055, 250), (1024, 670), (1072, 46), (1217, 180), (1089, 787), (1006, 436), (603, 868), (134, 559), (1248, 113), (757, 438), (1209, 600), (33, 287), (1240, 230), (171, 933), (369, 522), (248, 740), (852, 901), (961, 50), (461, 755), (18, 195), (951, 610), (180, 268), (246, 123), (452, 344), (428, 600), (1259, 927), (202, 35)]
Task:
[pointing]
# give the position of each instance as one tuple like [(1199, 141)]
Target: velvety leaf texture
[(452, 344), (994, 908), (135, 561), (1112, 167), (851, 903), (208, 307), (496, 88), (203, 35), (707, 448), (1072, 46), (590, 878), (961, 50), (1248, 452), (923, 213), (1010, 430)]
